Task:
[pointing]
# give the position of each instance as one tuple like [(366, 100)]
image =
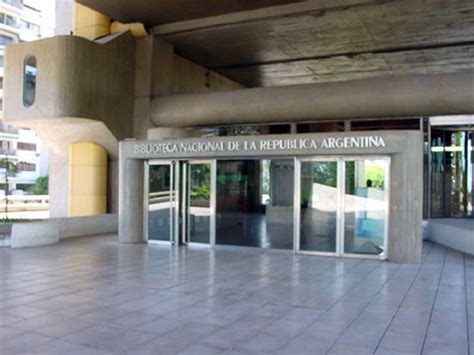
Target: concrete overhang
[(153, 12), (324, 41), (273, 43)]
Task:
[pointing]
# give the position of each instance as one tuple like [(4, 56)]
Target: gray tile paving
[(94, 296)]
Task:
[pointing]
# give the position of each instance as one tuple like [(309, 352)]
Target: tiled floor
[(94, 296)]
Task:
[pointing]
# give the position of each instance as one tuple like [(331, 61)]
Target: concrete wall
[(405, 202), (454, 233), (49, 232), (161, 72)]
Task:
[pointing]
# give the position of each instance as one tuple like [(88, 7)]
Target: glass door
[(199, 204), (319, 206), (161, 197), (365, 207), (342, 206)]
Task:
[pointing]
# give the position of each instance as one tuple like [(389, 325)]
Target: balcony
[(7, 151), (15, 3)]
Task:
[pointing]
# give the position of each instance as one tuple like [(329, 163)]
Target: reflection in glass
[(160, 203), (199, 208), (29, 81), (452, 179), (365, 207), (318, 206), (254, 203)]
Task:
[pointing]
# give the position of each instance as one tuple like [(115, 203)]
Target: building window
[(452, 178), (23, 166), (385, 124), (29, 81), (30, 27), (16, 3), (4, 40), (26, 146), (319, 127), (8, 20)]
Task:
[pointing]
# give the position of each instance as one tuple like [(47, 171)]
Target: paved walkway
[(92, 296)]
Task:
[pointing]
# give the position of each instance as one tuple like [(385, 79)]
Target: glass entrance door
[(319, 204), (162, 196), (365, 206), (199, 205), (343, 206)]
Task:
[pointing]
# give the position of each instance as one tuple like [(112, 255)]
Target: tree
[(40, 187)]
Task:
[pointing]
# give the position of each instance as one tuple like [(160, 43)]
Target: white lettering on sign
[(264, 145)]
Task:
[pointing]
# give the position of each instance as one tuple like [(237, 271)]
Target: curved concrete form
[(418, 95), (76, 79)]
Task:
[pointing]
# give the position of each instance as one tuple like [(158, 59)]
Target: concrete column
[(131, 194), (58, 186), (112, 186), (87, 180), (406, 201)]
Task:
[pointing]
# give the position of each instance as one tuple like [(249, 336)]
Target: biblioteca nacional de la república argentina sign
[(274, 145)]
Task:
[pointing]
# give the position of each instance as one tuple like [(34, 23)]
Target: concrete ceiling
[(154, 12), (320, 41), (313, 41)]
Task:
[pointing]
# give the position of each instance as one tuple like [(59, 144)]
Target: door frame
[(174, 217), (340, 223), (212, 201)]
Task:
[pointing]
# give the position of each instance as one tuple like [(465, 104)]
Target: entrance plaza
[(96, 296)]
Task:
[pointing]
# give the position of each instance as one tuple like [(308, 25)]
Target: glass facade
[(452, 167), (365, 207), (319, 206), (199, 205), (161, 202), (254, 203)]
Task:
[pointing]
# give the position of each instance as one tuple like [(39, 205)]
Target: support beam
[(418, 95), (257, 15)]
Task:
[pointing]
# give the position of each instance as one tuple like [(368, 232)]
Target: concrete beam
[(418, 95), (266, 13)]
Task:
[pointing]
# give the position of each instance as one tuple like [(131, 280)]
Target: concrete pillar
[(131, 195), (58, 172), (87, 180)]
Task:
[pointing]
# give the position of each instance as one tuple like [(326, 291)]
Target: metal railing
[(23, 203)]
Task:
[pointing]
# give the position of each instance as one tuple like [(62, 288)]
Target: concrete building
[(26, 154), (329, 128)]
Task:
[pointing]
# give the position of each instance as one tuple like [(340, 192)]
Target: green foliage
[(12, 166), (375, 173), (40, 187), (200, 193)]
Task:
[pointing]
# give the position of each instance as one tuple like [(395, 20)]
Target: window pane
[(254, 203), (365, 207), (318, 206), (452, 180), (29, 84)]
